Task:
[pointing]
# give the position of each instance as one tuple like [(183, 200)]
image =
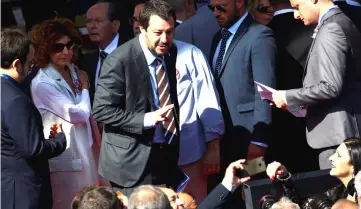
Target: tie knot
[(225, 33), (159, 60), (103, 54)]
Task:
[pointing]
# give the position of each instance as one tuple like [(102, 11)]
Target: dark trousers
[(158, 171)]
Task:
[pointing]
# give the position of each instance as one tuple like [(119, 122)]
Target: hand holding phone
[(253, 167)]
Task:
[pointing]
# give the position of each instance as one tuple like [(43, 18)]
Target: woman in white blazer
[(60, 92)]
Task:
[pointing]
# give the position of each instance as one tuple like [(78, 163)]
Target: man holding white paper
[(332, 81)]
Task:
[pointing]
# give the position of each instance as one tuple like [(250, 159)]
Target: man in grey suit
[(136, 100), (199, 30), (331, 89), (244, 51)]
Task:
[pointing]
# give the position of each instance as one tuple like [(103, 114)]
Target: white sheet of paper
[(266, 93)]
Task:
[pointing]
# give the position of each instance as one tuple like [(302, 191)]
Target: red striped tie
[(170, 130)]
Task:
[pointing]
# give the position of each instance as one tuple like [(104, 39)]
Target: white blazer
[(57, 103)]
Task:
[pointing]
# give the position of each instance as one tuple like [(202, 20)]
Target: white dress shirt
[(200, 115), (109, 49)]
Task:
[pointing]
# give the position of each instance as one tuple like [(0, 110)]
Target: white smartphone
[(255, 166)]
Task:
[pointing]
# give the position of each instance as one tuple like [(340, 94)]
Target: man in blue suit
[(25, 178), (243, 51), (198, 30)]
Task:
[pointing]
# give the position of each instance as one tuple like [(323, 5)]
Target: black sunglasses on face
[(220, 8), (59, 47), (263, 9)]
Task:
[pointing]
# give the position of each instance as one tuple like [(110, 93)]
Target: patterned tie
[(315, 32), (170, 131), (102, 55), (225, 36)]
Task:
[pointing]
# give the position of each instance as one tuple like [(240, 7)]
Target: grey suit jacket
[(199, 30), (250, 57), (123, 96), (332, 84)]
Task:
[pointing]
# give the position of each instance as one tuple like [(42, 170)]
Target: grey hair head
[(148, 197), (283, 203)]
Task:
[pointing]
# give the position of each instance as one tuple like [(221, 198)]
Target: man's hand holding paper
[(278, 98)]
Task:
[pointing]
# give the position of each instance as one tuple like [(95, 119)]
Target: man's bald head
[(344, 204)]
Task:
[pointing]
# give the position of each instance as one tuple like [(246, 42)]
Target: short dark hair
[(100, 198), (15, 44), (80, 195), (154, 198), (155, 7)]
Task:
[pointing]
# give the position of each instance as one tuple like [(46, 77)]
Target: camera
[(267, 201)]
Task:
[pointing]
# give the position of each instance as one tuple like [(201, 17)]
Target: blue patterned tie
[(225, 36)]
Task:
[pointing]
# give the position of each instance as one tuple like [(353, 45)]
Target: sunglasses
[(59, 47), (263, 9), (220, 8)]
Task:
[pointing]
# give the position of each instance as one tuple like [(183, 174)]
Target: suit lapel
[(143, 70), (55, 75), (237, 37), (324, 19)]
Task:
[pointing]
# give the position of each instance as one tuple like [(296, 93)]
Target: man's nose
[(296, 14)]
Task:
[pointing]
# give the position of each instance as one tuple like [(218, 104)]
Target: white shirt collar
[(233, 29), (179, 21), (283, 11), (112, 46), (353, 3)]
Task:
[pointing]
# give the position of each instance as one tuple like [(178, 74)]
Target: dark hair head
[(354, 149), (148, 197), (47, 33), (14, 45), (100, 198), (79, 196), (155, 7)]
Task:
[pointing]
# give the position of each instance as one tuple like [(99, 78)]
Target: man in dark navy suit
[(25, 178)]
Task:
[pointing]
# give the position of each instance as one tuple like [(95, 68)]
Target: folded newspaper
[(266, 93)]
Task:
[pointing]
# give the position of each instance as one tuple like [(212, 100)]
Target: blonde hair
[(252, 6)]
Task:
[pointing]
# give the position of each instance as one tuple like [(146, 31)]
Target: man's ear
[(17, 66), (116, 26)]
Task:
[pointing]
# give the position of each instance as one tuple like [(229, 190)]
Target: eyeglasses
[(133, 20), (59, 47), (263, 9), (221, 8)]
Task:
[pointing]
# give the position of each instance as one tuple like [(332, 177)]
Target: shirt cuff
[(259, 144), (284, 96), (229, 186), (149, 120)]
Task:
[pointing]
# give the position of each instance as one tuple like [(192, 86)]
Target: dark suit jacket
[(216, 199), (123, 96), (198, 32), (250, 57), (25, 178), (352, 12), (293, 40), (332, 83), (89, 64)]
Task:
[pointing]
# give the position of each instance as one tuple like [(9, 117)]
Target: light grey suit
[(199, 30), (332, 84)]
